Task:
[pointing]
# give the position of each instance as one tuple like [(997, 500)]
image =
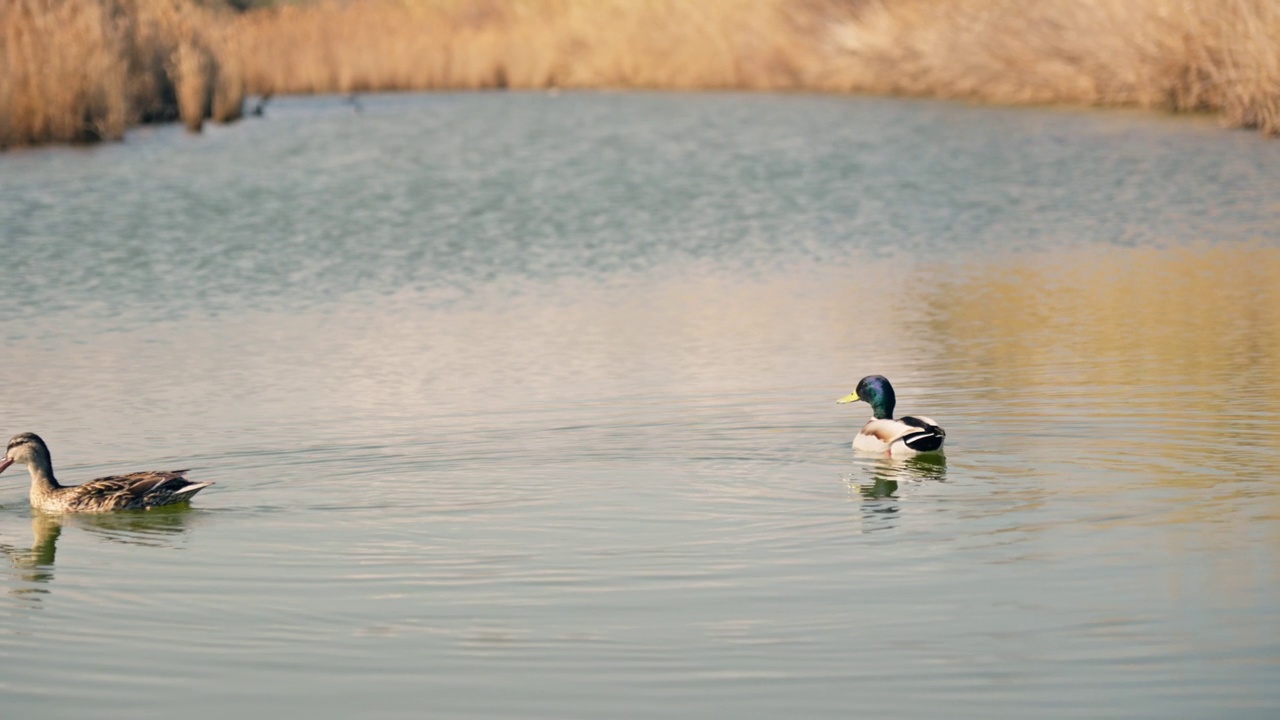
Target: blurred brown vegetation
[(465, 44), (1180, 55), (86, 69), (79, 70)]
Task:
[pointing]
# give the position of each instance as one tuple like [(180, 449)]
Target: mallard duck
[(899, 437), (135, 491)]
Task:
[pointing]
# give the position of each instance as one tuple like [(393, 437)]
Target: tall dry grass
[(1179, 55), (462, 44), (84, 69), (79, 70)]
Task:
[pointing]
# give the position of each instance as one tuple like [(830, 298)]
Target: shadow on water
[(33, 567)]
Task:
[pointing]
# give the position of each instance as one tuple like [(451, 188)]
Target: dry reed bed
[(80, 70), (1179, 55), (472, 44), (84, 69)]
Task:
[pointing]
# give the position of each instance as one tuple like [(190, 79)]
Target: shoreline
[(86, 70)]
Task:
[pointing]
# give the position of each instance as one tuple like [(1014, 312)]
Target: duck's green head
[(876, 391)]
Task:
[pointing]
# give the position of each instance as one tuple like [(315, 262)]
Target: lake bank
[(84, 71)]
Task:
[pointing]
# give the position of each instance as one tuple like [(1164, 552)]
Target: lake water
[(522, 406)]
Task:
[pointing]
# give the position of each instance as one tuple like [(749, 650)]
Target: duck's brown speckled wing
[(134, 491)]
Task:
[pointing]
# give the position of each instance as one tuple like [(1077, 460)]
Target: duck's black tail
[(927, 439)]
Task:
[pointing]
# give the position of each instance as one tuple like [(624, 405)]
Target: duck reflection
[(33, 567), (880, 488), (157, 527), (885, 474)]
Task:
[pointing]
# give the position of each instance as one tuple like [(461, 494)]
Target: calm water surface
[(523, 406)]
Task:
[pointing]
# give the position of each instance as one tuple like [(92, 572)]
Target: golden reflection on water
[(1162, 321), (1185, 334), (1125, 369)]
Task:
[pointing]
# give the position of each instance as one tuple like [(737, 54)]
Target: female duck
[(902, 437), (136, 491)]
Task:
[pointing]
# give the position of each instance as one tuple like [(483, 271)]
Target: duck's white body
[(900, 438)]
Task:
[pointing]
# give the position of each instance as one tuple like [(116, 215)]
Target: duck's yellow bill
[(851, 397)]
